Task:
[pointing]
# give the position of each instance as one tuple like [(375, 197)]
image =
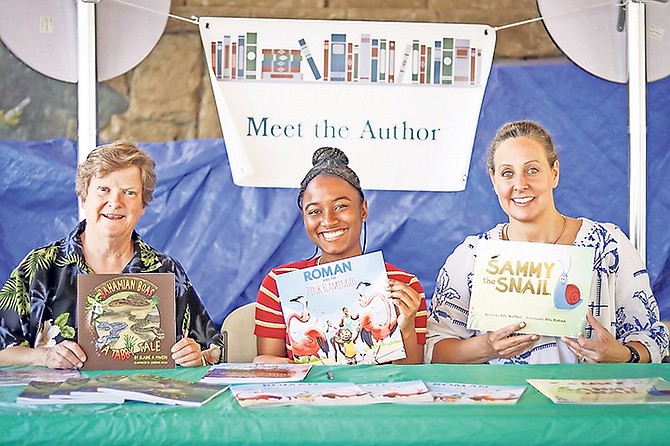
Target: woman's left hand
[(604, 348), (187, 353), (407, 301)]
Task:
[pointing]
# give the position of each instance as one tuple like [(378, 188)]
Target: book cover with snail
[(126, 321), (546, 286)]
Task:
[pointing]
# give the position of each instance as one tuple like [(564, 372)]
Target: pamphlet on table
[(237, 373), (654, 390), (460, 393)]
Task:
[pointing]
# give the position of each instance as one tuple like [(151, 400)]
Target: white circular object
[(43, 34), (586, 31)]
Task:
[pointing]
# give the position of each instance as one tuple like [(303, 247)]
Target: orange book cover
[(126, 321)]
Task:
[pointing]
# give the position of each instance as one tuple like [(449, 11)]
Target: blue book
[(310, 60), (338, 57)]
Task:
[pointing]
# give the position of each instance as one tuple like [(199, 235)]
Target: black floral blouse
[(38, 302)]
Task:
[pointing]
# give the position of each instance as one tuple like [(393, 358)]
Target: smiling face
[(333, 213), (523, 179), (113, 203)]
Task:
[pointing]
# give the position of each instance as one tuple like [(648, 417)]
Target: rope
[(537, 19), (194, 20)]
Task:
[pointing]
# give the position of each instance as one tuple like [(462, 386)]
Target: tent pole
[(637, 124), (87, 129)]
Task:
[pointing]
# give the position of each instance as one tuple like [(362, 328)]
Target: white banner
[(401, 99)]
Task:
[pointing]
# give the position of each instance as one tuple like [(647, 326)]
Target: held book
[(126, 321), (544, 285), (341, 313), (237, 373), (604, 391)]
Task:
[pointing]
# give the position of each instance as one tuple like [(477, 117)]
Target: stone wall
[(168, 95)]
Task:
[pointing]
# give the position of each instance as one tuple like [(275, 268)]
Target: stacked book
[(118, 389)]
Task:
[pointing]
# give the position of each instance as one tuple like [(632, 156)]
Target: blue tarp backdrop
[(228, 237)]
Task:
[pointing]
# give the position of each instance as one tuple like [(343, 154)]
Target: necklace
[(318, 261), (565, 225)]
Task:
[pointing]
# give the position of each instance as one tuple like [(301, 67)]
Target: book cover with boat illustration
[(126, 321)]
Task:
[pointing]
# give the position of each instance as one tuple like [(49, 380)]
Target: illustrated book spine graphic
[(456, 60), (544, 285), (126, 321), (341, 312)]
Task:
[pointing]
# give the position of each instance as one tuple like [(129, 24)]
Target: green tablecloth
[(533, 420)]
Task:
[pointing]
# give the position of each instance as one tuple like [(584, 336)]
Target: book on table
[(653, 390), (14, 376), (341, 312), (126, 321), (235, 373), (161, 390), (544, 285), (46, 392)]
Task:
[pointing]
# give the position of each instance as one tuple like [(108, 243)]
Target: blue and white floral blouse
[(621, 297)]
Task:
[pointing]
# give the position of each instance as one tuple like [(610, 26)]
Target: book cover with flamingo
[(546, 286), (341, 313), (301, 393)]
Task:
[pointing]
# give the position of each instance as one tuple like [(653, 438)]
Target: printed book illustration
[(604, 391), (126, 321), (22, 376), (73, 390), (405, 392), (160, 390), (236, 373), (459, 393), (281, 394), (356, 57), (547, 286), (341, 312), (38, 392)]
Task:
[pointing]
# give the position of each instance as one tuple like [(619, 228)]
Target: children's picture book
[(604, 391), (404, 392), (341, 312), (161, 390), (72, 391), (461, 393), (126, 321), (22, 376), (236, 373), (316, 394), (38, 392), (544, 285)]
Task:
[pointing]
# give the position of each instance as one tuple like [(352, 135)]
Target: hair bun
[(329, 154)]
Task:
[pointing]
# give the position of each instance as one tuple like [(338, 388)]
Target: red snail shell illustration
[(566, 295)]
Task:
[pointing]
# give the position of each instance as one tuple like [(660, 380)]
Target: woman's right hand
[(507, 343), (66, 355)]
